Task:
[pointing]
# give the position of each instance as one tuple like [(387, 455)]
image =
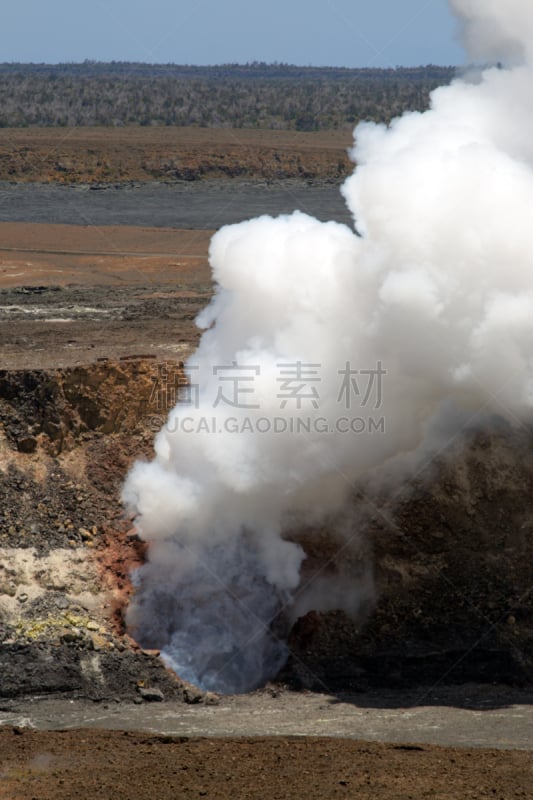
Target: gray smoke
[(431, 309)]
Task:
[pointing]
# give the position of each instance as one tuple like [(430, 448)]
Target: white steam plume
[(496, 30), (437, 293)]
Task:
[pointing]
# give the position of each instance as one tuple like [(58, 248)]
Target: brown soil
[(98, 765), (159, 276), (33, 254), (93, 155)]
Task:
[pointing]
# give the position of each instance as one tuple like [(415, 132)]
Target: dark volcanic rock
[(42, 668), (452, 557)]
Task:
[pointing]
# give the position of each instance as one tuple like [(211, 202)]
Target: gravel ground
[(466, 716)]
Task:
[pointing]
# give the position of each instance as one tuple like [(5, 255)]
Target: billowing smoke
[(327, 353), (494, 30)]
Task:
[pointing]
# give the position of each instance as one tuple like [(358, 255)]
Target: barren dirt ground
[(92, 765), (70, 295), (109, 292)]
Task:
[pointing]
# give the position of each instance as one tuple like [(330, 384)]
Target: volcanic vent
[(353, 360)]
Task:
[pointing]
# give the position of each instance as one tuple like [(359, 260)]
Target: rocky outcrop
[(65, 552), (451, 553), (52, 409)]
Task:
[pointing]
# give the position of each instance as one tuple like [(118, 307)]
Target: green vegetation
[(257, 95)]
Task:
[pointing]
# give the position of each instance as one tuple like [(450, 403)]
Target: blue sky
[(351, 33)]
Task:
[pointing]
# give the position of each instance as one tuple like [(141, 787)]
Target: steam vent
[(295, 450)]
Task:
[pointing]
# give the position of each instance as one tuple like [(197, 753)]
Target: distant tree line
[(257, 95)]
